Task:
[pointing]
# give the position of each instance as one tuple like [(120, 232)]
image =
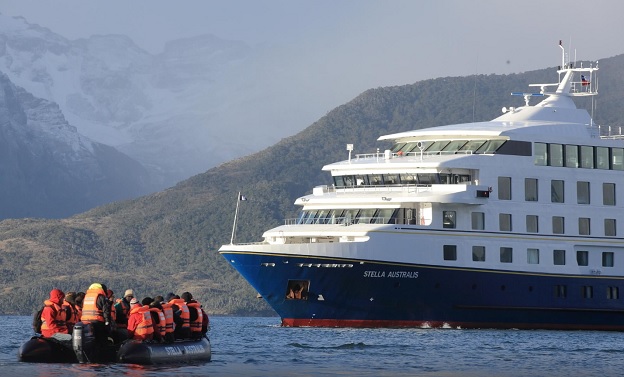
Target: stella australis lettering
[(391, 274)]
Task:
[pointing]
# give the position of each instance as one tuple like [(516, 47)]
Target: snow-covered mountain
[(48, 169), (179, 112)]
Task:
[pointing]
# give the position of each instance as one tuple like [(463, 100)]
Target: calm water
[(260, 347)]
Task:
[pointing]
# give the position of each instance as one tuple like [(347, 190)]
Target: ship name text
[(391, 274)]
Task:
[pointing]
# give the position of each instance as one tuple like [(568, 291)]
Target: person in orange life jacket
[(79, 301), (140, 325), (168, 314), (147, 302), (96, 311), (122, 309), (53, 317), (158, 319), (195, 315), (71, 311), (181, 316)]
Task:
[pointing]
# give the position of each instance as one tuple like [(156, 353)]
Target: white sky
[(353, 45)]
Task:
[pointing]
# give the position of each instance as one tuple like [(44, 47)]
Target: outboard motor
[(82, 342)]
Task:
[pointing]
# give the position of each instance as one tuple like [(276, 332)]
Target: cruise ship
[(512, 223)]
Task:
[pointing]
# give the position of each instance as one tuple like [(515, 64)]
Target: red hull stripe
[(297, 322)]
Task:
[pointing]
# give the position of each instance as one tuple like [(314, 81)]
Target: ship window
[(339, 181), (602, 158), (558, 225), (309, 219), (587, 157), (413, 147), (504, 220), (613, 293), (472, 146), (428, 178), (437, 146), (532, 223), (556, 191), (504, 188), (559, 257), (409, 179), (561, 291), (391, 179), (398, 147), (450, 252), (530, 189), (335, 216), (608, 194), (617, 158), (478, 253), (533, 256), (582, 192), (349, 216), (609, 225), (322, 217), (361, 180), (555, 155), (376, 179), (584, 229), (448, 219), (571, 156), (478, 220), (506, 254), (540, 155), (607, 259), (348, 180), (582, 257), (297, 289), (384, 216), (490, 146), (453, 146), (515, 147), (587, 291), (366, 216)]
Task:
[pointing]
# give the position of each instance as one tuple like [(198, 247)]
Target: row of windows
[(445, 147), (578, 156), (532, 256), (587, 291), (532, 223), (399, 179), (557, 191)]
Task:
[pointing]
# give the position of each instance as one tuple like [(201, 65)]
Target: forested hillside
[(168, 241)]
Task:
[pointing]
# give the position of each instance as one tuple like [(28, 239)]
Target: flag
[(241, 197), (584, 81)]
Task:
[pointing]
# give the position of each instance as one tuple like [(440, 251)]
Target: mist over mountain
[(178, 112), (48, 169)]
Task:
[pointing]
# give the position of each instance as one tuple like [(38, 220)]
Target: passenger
[(53, 317), (195, 315), (205, 322), (159, 320), (122, 309), (96, 311), (79, 301), (140, 325), (181, 317), (71, 311)]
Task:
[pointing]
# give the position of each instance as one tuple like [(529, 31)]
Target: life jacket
[(58, 319), (145, 329), (71, 315), (184, 312), (196, 325), (90, 311), (168, 313), (161, 326)]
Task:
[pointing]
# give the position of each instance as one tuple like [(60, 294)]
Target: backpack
[(36, 321)]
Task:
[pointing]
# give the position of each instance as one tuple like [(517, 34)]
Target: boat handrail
[(608, 132), (382, 155), (346, 221)]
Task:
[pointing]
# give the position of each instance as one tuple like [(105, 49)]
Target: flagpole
[(235, 218)]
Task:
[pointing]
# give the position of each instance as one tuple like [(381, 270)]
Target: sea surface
[(243, 346)]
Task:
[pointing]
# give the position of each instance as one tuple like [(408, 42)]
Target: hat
[(134, 301), (71, 297), (169, 296), (129, 292), (109, 293)]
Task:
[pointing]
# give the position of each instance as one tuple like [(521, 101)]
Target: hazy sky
[(367, 43)]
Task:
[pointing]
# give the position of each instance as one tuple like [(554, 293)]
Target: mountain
[(200, 102), (48, 169), (168, 241)]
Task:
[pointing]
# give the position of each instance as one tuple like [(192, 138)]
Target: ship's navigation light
[(350, 148)]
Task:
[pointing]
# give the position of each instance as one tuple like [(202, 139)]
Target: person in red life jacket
[(195, 315), (53, 317), (181, 317), (140, 325), (96, 311), (71, 311), (122, 309)]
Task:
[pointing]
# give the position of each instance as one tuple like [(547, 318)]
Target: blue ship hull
[(361, 293)]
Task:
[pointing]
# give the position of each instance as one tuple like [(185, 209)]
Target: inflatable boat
[(82, 347)]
